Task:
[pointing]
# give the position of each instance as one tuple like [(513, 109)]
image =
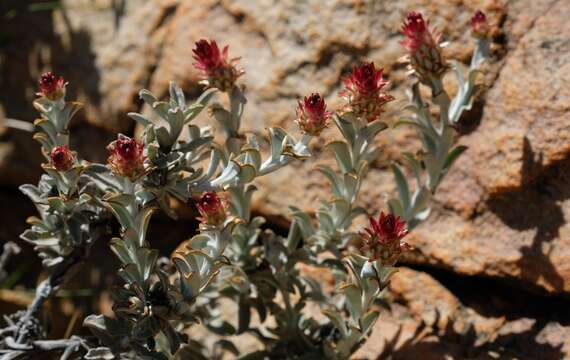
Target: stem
[(441, 98), (18, 125), (44, 291), (292, 319), (10, 248), (269, 167)]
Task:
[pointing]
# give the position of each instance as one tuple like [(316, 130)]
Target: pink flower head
[(312, 114), (479, 25), (383, 237), (416, 30), (364, 91), (365, 79), (423, 45), (51, 86), (216, 69), (126, 157), (208, 56), (212, 208), (62, 159)]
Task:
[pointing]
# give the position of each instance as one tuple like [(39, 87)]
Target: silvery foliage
[(438, 153), (69, 221), (238, 261)]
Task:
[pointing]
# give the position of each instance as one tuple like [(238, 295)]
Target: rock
[(429, 319), (505, 202), (501, 210)]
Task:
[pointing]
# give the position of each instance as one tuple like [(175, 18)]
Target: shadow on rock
[(517, 341), (536, 206)]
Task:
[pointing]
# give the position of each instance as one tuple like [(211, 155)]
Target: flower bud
[(479, 25), (312, 114), (51, 86), (216, 69), (62, 159), (364, 92), (383, 238), (425, 53), (212, 209), (126, 157)]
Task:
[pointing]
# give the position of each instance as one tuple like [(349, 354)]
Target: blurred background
[(490, 274)]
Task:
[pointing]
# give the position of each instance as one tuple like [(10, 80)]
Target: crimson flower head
[(383, 238), (312, 114), (416, 30), (51, 86), (126, 157), (212, 209), (423, 45), (62, 159), (364, 91), (216, 69), (479, 25)]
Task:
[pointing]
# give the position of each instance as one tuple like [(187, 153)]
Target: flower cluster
[(126, 157), (312, 114), (212, 209), (62, 159), (383, 238), (424, 49), (51, 86), (479, 26), (364, 92), (217, 71)]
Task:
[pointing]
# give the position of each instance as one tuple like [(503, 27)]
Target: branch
[(44, 291), (10, 248)]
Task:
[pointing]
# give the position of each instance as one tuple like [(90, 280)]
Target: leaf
[(260, 307), (224, 328), (176, 121), (177, 95), (244, 314), (120, 249), (246, 173), (163, 137), (161, 108), (257, 355), (48, 127), (227, 346), (368, 320), (172, 336), (337, 320), (396, 207), (419, 200), (44, 140), (353, 302), (237, 102), (276, 137), (139, 118), (99, 353), (337, 186), (303, 221), (32, 192), (453, 156), (147, 97), (122, 214), (402, 183), (224, 117), (415, 165), (372, 129), (342, 155), (346, 127)]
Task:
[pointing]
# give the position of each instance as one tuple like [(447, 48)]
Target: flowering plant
[(233, 258)]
